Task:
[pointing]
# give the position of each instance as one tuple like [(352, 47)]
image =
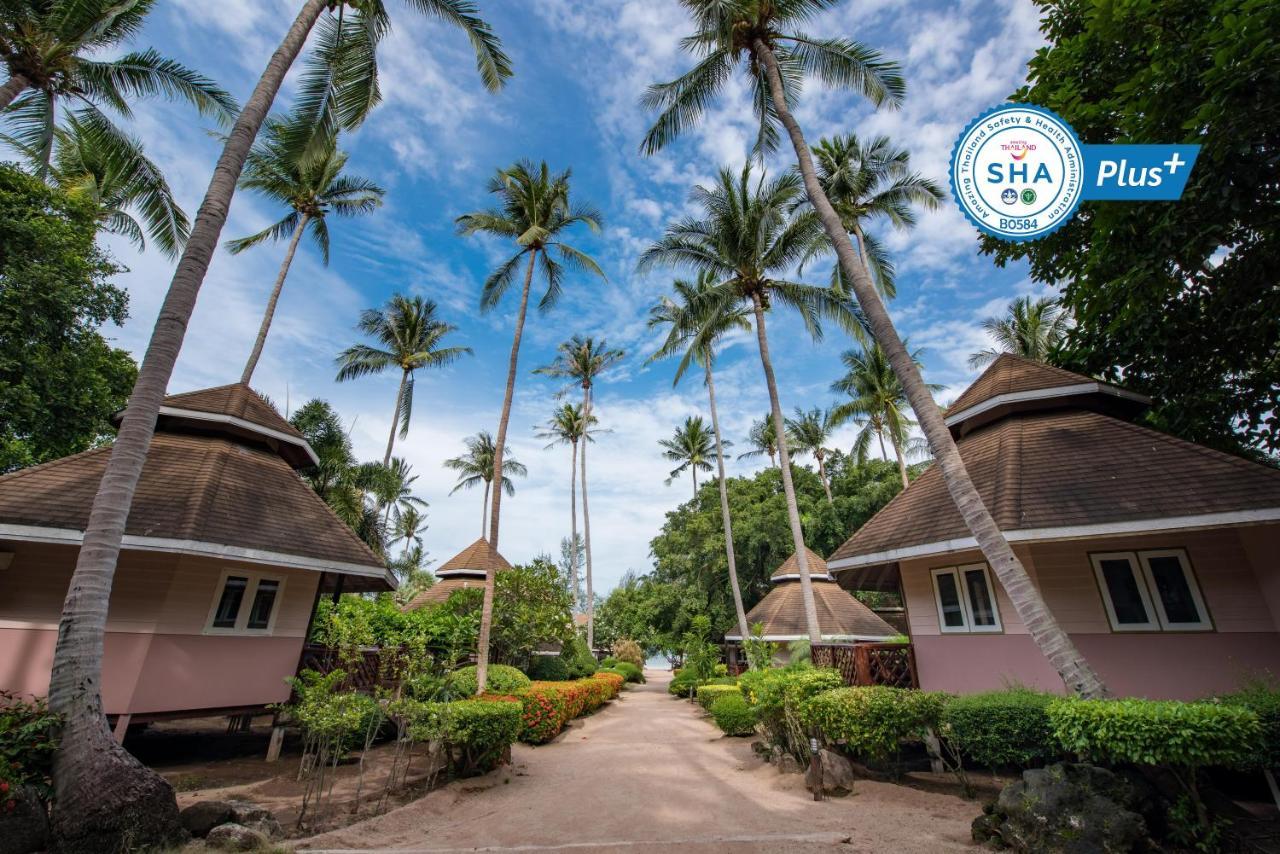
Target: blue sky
[(580, 68)]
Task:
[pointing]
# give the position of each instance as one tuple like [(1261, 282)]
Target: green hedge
[(708, 694), (548, 668), (578, 659), (1001, 728), (1158, 732), (629, 671), (872, 722), (1264, 701), (502, 679), (732, 713)]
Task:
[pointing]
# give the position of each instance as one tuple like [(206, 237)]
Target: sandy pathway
[(648, 773)]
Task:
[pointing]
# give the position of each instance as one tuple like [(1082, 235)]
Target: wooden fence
[(892, 664), (373, 668)]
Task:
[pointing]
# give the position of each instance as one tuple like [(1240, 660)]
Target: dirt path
[(648, 773)]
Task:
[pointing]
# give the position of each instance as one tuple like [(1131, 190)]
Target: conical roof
[(790, 567), (463, 571)]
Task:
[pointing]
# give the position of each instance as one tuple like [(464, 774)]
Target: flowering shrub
[(28, 738), (548, 706), (613, 680)]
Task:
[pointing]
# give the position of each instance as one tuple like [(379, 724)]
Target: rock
[(246, 812), (760, 748), (787, 764), (202, 817), (1067, 809), (837, 773), (235, 837), (24, 827)]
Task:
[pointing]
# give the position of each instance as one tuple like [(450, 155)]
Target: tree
[(410, 335), (534, 211), (106, 798), (763, 440), (1031, 328), (396, 490), (750, 235), (877, 401), (692, 446), (1177, 300), (46, 48), (699, 335), (809, 432), (311, 188), (568, 426), (60, 379), (872, 181), (581, 360), (778, 58), (475, 467)]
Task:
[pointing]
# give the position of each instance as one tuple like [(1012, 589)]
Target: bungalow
[(225, 555), (1156, 555), (841, 617), (464, 571)]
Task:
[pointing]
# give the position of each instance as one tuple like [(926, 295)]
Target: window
[(246, 603), (1150, 591), (965, 598)]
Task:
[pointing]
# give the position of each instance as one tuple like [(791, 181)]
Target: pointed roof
[(198, 494), (790, 568), (1014, 384), (475, 560), (840, 615), (442, 590), (236, 411)]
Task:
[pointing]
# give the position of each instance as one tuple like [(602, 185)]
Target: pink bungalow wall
[(1238, 577), (157, 654)]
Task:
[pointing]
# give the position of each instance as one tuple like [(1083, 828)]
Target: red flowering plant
[(28, 739)]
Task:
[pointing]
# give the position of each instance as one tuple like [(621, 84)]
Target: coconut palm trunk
[(788, 488), (1026, 599), (275, 298), (12, 88), (106, 799), (395, 418), (495, 512), (573, 522), (484, 510), (586, 527), (724, 509), (820, 456), (902, 463)]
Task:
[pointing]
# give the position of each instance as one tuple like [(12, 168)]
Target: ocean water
[(657, 662)]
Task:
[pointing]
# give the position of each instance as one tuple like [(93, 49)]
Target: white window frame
[(246, 604), (1140, 565), (966, 612)]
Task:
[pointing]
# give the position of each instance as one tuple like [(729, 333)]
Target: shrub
[(733, 715), (776, 695), (1001, 728), (548, 706), (479, 731), (578, 659), (708, 694), (630, 672), (1263, 700), (548, 668), (873, 721), (625, 649), (614, 680), (502, 679), (28, 739), (609, 662), (683, 682)]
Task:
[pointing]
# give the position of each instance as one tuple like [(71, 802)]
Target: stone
[(204, 816), (235, 837), (787, 764), (761, 749), (24, 828), (837, 773), (247, 812), (1067, 809), (268, 827)]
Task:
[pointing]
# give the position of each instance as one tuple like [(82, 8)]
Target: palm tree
[(809, 432), (107, 799), (409, 525), (777, 59), (310, 188), (763, 440), (534, 211), (396, 490), (475, 467), (749, 236), (410, 335), (872, 181), (1031, 329), (46, 47), (568, 426), (698, 335), (877, 401), (581, 360), (692, 446)]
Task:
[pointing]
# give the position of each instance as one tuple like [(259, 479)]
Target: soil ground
[(650, 773)]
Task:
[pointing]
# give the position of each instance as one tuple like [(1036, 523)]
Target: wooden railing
[(892, 664), (372, 668)]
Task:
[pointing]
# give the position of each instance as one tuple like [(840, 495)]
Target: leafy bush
[(625, 649), (873, 721), (502, 679), (759, 652), (609, 662), (683, 682), (578, 659), (614, 680), (548, 668), (325, 714), (733, 715), (28, 739), (1263, 700), (548, 706), (630, 672), (1158, 732), (1001, 728), (708, 694), (700, 655), (479, 732), (776, 695)]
